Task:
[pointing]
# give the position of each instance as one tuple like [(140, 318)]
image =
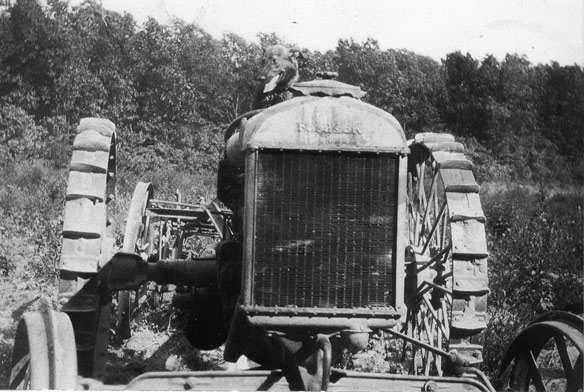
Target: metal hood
[(324, 124)]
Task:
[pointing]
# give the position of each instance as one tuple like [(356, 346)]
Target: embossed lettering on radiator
[(325, 129)]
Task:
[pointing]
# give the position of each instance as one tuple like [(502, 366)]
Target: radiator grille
[(325, 230)]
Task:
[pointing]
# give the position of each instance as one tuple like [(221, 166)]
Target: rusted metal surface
[(276, 381), (325, 124), (371, 312), (464, 206), (128, 270), (136, 241), (401, 237), (447, 228), (92, 168), (232, 128), (333, 124), (136, 216), (88, 240), (44, 355), (331, 232), (249, 225), (331, 323), (327, 87), (329, 316), (553, 335), (209, 220)]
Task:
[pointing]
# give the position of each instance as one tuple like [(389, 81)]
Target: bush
[(58, 140), (535, 244), (31, 207), (18, 133)]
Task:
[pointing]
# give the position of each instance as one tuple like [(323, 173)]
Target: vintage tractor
[(336, 229)]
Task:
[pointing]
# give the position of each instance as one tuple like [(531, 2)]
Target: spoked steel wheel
[(136, 240), (446, 276), (88, 239), (44, 355), (546, 356)]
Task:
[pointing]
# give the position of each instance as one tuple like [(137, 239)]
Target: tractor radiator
[(325, 230)]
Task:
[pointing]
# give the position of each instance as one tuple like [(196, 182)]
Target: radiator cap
[(328, 88)]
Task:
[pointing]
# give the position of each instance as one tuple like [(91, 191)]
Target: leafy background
[(171, 90)]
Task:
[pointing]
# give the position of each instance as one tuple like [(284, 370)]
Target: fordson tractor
[(330, 227)]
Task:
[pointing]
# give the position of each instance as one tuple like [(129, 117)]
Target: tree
[(561, 108), (404, 84), (422, 92), (165, 95), (35, 55), (463, 114), (243, 67), (200, 57)]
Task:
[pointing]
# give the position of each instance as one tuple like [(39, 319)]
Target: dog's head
[(279, 67)]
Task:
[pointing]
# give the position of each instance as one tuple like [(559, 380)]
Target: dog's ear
[(296, 53)]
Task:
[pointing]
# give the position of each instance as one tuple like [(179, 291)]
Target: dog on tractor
[(279, 72)]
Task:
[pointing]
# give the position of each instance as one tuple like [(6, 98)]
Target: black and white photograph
[(292, 195)]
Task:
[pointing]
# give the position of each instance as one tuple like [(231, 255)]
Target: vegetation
[(172, 89), (535, 262)]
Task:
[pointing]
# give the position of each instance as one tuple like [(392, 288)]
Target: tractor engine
[(314, 186)]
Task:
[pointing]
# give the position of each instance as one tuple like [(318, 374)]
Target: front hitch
[(128, 271)]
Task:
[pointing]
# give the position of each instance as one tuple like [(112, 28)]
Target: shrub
[(31, 207), (535, 261), (18, 133)]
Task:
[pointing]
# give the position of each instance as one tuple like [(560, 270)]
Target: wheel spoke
[(428, 362), (445, 312), (25, 383), (443, 236), (17, 369), (418, 208), (428, 205), (438, 287), (438, 257), (410, 186), (534, 374), (563, 352), (439, 336), (429, 332), (447, 276), (575, 379), (436, 201), (421, 193), (435, 316), (432, 231), (411, 222)]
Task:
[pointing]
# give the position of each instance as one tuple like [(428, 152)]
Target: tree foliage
[(161, 81)]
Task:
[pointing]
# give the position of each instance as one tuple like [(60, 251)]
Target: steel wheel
[(446, 276), (546, 356), (136, 240), (44, 355), (88, 240)]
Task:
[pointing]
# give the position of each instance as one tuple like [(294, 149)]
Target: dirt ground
[(157, 341)]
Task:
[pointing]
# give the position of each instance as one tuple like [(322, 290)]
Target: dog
[(279, 72)]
